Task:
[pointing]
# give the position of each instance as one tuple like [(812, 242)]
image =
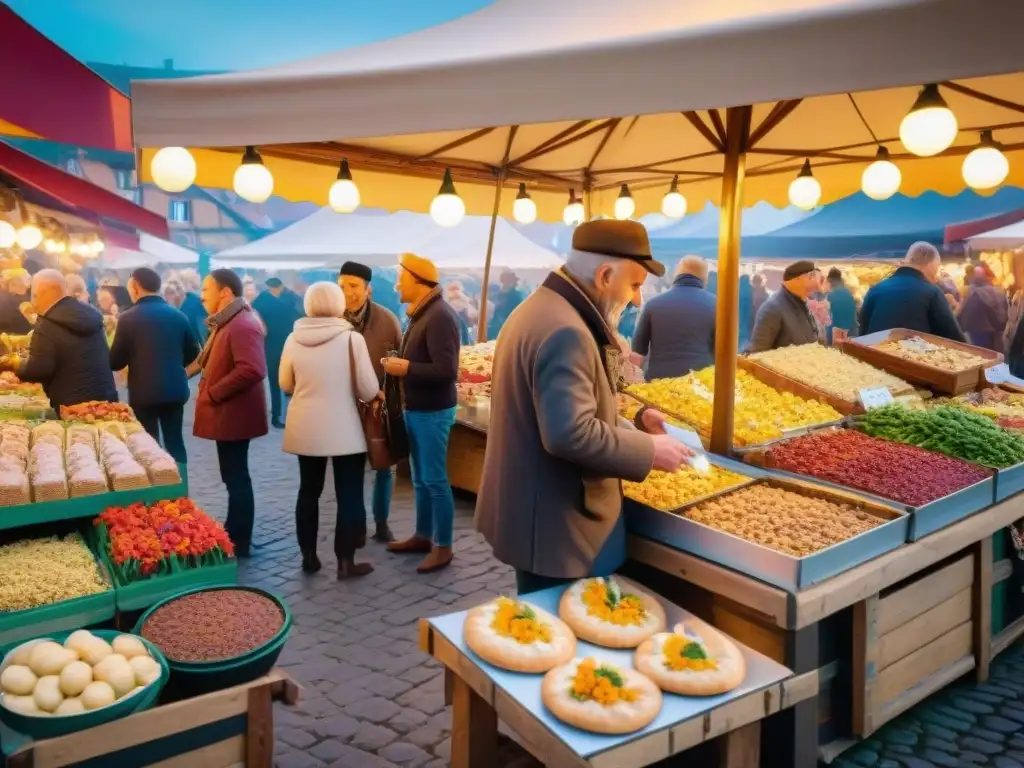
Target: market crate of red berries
[(154, 551), (935, 489)]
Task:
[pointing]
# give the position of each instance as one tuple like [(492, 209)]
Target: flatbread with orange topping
[(611, 612), (600, 697), (694, 659), (518, 636)]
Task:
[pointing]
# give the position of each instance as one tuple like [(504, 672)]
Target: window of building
[(124, 179), (73, 166), (180, 211)]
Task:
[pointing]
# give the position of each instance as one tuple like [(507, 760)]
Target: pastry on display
[(669, 491), (694, 659), (600, 697), (518, 636), (605, 612)]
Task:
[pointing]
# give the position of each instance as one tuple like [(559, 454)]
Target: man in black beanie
[(380, 329), (784, 319)]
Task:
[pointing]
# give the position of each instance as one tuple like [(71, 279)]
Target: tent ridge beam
[(603, 143), (459, 142), (552, 143), (719, 126), (565, 142), (702, 128), (778, 113), (982, 96)]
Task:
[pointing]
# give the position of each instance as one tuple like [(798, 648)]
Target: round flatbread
[(611, 612), (600, 697), (518, 636), (692, 660)]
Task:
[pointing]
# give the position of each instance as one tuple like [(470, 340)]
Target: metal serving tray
[(790, 573), (1009, 480)]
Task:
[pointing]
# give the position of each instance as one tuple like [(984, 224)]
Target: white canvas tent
[(1001, 239), (327, 238), (152, 250)]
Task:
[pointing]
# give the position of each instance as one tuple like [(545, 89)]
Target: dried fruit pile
[(761, 412), (900, 472), (917, 350), (97, 410), (788, 522), (213, 625), (149, 541), (475, 370), (946, 429)]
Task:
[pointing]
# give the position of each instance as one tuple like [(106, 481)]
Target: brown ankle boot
[(348, 568), (439, 558), (416, 544)]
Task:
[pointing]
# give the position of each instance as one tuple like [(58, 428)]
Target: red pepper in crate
[(903, 473)]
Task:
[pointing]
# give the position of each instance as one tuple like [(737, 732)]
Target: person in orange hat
[(428, 364)]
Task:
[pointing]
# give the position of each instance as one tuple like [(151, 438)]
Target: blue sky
[(226, 34)]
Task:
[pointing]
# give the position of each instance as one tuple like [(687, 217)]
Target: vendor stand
[(659, 144)]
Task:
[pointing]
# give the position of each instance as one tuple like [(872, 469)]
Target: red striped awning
[(48, 93), (955, 233), (78, 193)]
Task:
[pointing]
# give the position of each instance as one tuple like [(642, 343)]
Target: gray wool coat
[(550, 495), (782, 321)]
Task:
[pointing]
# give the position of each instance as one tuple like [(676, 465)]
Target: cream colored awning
[(592, 93)]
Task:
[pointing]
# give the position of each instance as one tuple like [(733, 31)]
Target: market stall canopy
[(962, 231), (150, 252), (61, 99), (77, 193), (327, 238), (1004, 238), (603, 97)]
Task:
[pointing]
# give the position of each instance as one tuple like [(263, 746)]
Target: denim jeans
[(428, 459), (233, 456), (166, 418), (382, 482)]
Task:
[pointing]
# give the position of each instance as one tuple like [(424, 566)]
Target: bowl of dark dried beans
[(216, 637)]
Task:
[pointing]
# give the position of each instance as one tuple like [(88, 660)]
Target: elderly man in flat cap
[(550, 498), (380, 328), (784, 319), (428, 364)]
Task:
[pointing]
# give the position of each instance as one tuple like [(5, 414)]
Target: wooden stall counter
[(224, 729)]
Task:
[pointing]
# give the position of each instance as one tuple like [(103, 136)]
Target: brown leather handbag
[(374, 418)]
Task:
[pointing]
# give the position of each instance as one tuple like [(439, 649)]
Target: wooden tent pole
[(727, 311), (481, 331)]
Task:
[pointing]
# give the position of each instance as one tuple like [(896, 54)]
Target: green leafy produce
[(946, 429), (611, 675), (693, 651)]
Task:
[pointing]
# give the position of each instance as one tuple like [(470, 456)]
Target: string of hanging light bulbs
[(929, 128)]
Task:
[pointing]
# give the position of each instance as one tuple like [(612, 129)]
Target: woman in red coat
[(231, 405)]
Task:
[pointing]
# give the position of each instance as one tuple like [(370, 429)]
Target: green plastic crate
[(18, 626), (142, 594), (88, 506)]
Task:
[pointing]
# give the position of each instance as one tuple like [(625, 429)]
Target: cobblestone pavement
[(371, 699)]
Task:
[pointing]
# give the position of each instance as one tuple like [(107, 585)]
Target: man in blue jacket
[(676, 330), (909, 298), (278, 308), (155, 341)]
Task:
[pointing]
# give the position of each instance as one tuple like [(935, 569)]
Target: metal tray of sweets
[(925, 519), (786, 571)]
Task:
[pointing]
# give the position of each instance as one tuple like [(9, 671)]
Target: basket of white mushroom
[(70, 681)]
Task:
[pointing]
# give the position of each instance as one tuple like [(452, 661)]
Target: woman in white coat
[(323, 423)]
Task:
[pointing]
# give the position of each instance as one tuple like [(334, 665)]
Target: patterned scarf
[(216, 322), (359, 318)]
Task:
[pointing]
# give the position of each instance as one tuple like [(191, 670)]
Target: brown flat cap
[(622, 239)]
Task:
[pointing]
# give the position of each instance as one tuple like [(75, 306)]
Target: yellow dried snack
[(671, 490), (44, 571)]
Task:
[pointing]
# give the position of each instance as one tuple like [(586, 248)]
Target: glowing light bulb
[(29, 236), (625, 207), (881, 179), (447, 209), (524, 210), (173, 169), (986, 166), (673, 205), (253, 180), (804, 190), (930, 126), (573, 213), (343, 196)]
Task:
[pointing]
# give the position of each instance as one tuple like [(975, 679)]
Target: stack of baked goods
[(592, 692), (14, 485), (85, 476), (123, 471), (158, 463), (46, 472)]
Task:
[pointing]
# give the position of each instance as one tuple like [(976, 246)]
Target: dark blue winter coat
[(906, 299), (156, 342)]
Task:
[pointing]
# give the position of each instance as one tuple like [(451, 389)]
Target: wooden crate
[(913, 640), (866, 348), (224, 729), (466, 448)]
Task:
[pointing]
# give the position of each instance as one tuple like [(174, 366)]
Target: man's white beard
[(612, 312)]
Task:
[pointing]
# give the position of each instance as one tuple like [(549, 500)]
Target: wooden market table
[(479, 701), (224, 729), (881, 637)]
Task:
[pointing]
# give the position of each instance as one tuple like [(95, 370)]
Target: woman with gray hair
[(326, 368)]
